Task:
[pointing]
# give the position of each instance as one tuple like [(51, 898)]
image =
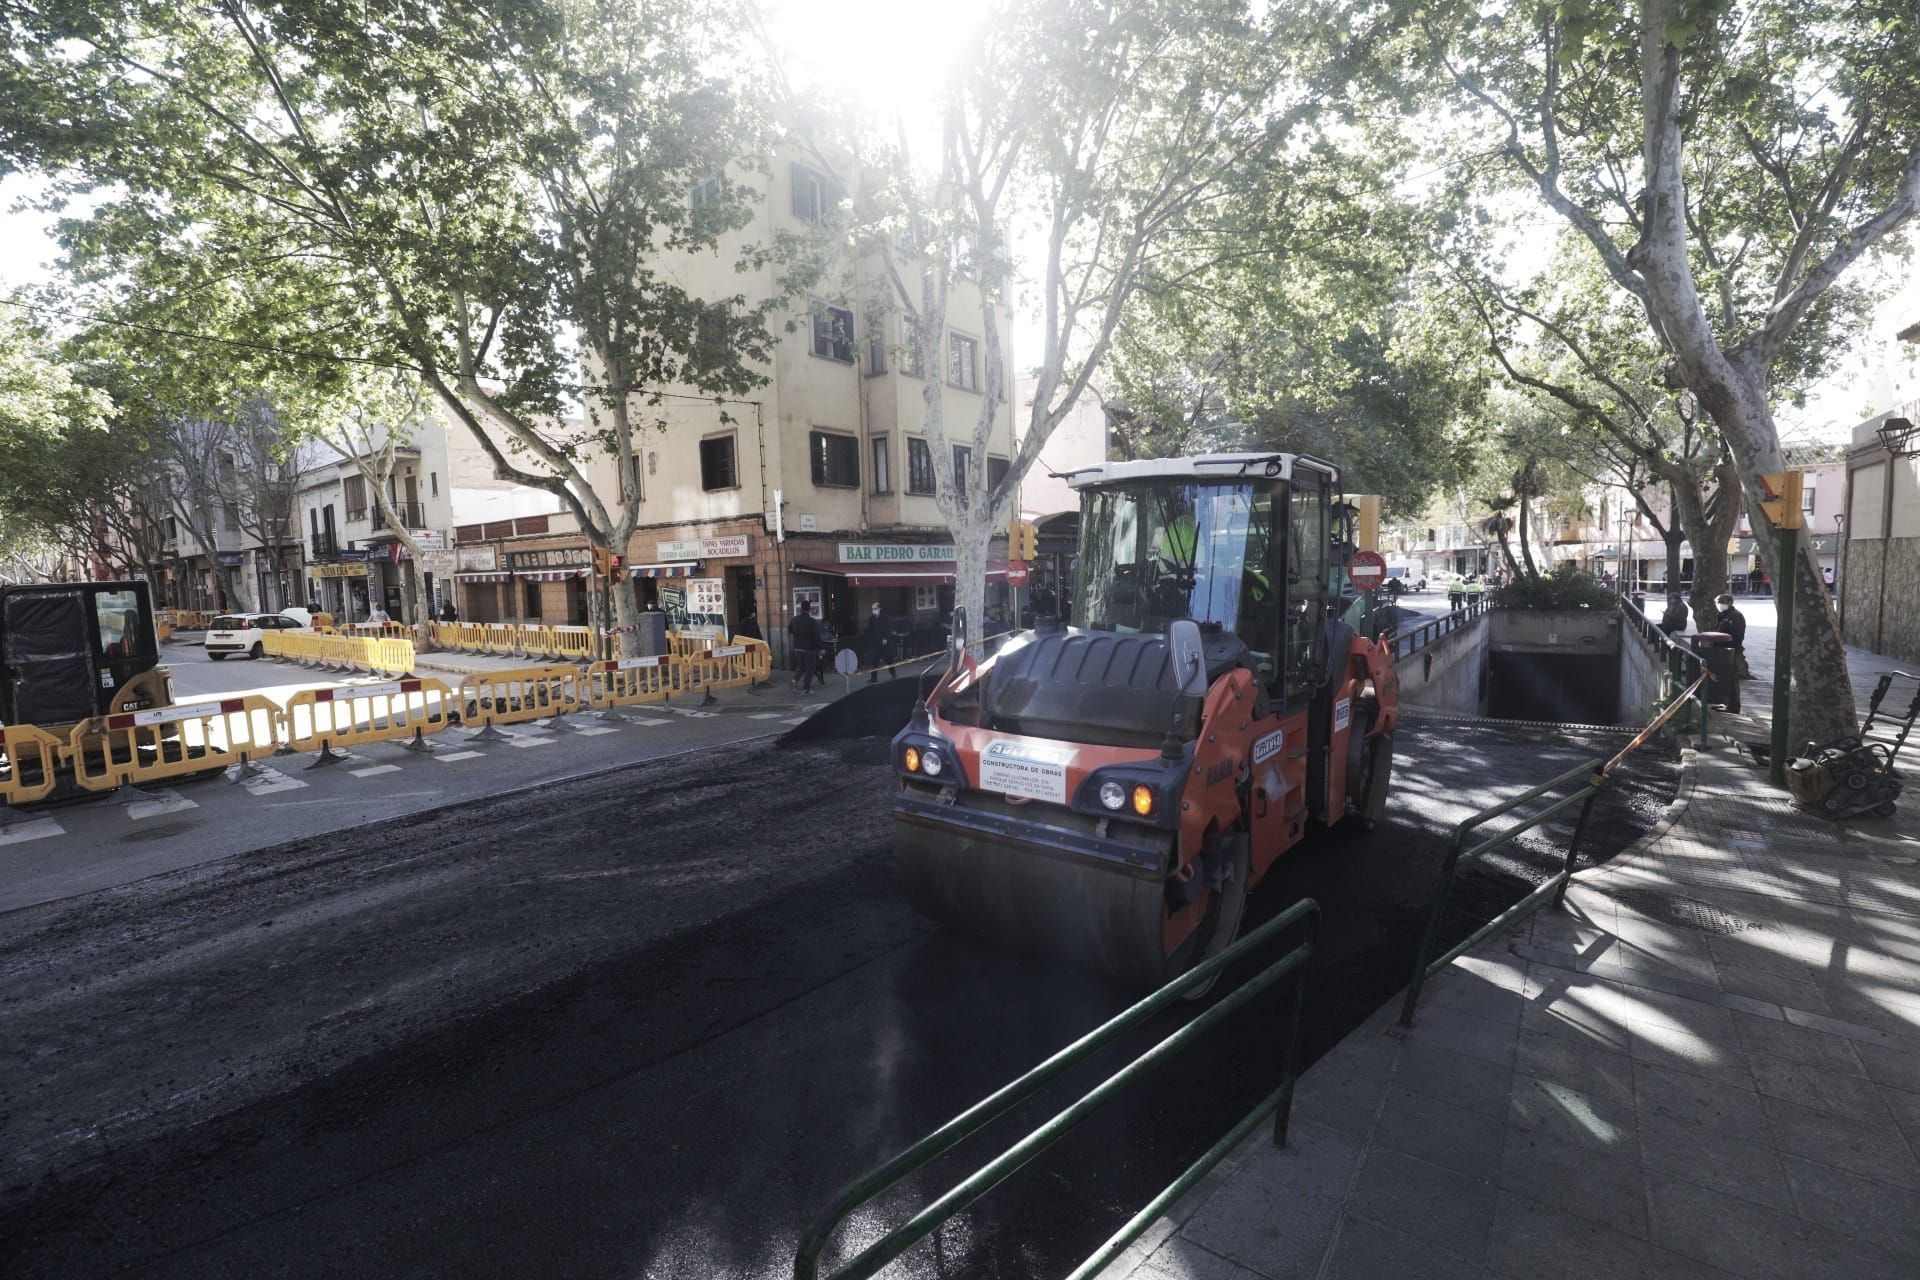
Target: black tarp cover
[(48, 659)]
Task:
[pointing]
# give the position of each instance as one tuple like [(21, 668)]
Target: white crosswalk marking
[(33, 829), (270, 780), (795, 720), (173, 802), (652, 720), (765, 715), (451, 756), (378, 768), (593, 731), (529, 740)]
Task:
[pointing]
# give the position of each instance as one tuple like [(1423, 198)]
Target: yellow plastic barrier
[(317, 719), (30, 756), (521, 694), (626, 682), (169, 742), (389, 657), (573, 643)]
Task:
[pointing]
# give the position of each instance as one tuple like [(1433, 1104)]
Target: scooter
[(1851, 776)]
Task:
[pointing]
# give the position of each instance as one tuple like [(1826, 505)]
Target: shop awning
[(483, 577), (552, 575), (670, 569), (858, 576)]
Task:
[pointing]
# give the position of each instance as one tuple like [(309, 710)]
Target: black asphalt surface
[(643, 1025)]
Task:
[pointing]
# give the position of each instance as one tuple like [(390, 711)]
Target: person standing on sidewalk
[(1734, 623), (873, 641), (804, 633)]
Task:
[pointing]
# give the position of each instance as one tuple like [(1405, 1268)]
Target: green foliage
[(1567, 587)]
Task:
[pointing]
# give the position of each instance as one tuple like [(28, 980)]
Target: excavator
[(1109, 786)]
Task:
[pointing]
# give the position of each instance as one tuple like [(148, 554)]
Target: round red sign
[(1017, 573), (1366, 570)]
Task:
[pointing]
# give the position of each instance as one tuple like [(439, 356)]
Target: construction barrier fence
[(109, 752), (192, 738), (320, 719), (28, 758)]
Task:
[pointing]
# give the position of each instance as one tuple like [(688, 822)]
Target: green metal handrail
[(806, 1261), (1457, 852), (1598, 775)]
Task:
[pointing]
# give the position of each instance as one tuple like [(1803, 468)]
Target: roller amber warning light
[(913, 760), (1143, 800)]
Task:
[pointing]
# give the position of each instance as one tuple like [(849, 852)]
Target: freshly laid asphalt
[(639, 1025)]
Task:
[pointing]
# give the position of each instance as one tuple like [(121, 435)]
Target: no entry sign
[(1366, 570), (1017, 573)]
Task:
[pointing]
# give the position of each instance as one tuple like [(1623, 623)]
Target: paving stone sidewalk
[(1707, 1065)]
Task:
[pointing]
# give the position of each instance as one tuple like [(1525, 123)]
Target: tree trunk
[(1673, 538), (1526, 543), (971, 538), (1506, 550), (626, 615)]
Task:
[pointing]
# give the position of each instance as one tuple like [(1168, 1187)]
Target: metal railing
[(1684, 665), (1408, 643), (1278, 1104), (1597, 775)]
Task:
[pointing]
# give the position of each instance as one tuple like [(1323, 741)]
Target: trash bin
[(652, 626), (1640, 601), (1722, 665)]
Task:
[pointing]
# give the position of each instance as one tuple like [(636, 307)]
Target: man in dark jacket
[(804, 632), (1734, 623), (873, 641)]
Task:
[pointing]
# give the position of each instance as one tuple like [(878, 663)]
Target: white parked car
[(1441, 579), (242, 632)]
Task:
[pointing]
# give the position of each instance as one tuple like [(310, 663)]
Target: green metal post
[(1789, 565)]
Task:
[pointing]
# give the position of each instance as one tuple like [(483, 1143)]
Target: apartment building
[(819, 487), (1880, 570), (354, 558)]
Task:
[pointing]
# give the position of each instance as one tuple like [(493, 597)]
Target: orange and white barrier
[(171, 742), (28, 758), (319, 719)]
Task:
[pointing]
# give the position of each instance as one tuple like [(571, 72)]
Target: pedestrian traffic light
[(1781, 504)]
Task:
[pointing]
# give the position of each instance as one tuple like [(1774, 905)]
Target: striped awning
[(671, 569), (483, 577), (552, 575)]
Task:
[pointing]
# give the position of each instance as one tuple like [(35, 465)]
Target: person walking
[(873, 641), (1734, 623), (749, 627), (804, 634)]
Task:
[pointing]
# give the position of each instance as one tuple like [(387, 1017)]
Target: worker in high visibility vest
[(1472, 588)]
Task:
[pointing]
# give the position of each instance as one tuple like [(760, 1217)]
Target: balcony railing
[(409, 514), (323, 547)]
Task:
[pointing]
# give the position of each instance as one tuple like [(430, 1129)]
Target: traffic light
[(603, 562), (1781, 505), (1023, 540)]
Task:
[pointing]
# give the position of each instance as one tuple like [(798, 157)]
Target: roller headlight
[(912, 759), (1113, 795), (931, 763), (1143, 800)]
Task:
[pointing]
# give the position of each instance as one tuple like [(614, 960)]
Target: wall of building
[(1643, 674)]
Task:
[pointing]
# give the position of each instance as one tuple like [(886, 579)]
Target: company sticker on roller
[(1025, 769), (1268, 746), (1342, 714)]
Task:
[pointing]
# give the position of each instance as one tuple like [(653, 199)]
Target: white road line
[(459, 755), (652, 720), (378, 768), (270, 780), (765, 715), (795, 720), (527, 740), (595, 731), (174, 803), (37, 829)]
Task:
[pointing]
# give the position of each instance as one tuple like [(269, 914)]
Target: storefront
[(913, 583), (340, 588)]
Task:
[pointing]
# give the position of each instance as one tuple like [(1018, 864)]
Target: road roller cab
[(1110, 787)]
